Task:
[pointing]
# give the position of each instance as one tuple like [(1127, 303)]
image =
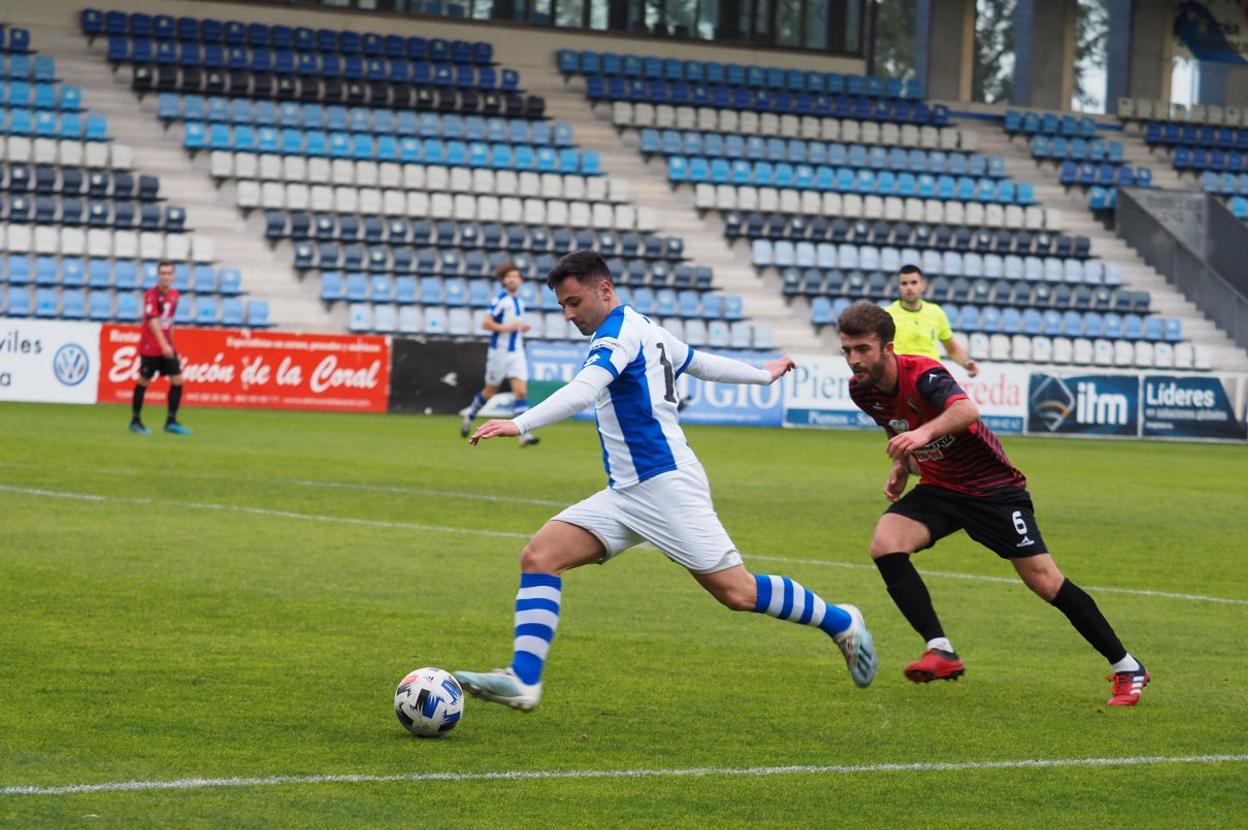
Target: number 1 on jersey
[(669, 375)]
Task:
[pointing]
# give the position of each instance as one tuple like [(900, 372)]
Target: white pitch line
[(685, 772), (417, 491), (264, 511), (425, 492), (505, 534), (1139, 592)]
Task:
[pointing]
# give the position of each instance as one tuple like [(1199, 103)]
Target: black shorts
[(1005, 524), (149, 365)]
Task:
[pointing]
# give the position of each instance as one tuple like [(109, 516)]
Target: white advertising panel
[(816, 394), (49, 361)]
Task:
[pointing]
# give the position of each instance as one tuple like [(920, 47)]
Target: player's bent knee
[(1041, 575), (883, 546), (735, 598), (741, 601), (1045, 586), (536, 559), (734, 588)]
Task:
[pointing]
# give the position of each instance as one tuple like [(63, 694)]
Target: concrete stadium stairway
[(1106, 244), (648, 187), (239, 241)]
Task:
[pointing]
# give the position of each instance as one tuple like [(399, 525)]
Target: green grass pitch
[(242, 603)]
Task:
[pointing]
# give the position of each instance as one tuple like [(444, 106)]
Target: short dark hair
[(165, 262), (505, 268), (864, 318), (584, 266), (911, 269)]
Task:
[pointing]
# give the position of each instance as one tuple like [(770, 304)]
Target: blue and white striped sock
[(475, 406), (784, 599), (537, 617), (520, 406)]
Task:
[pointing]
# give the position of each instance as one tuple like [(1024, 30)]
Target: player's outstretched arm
[(721, 369), (959, 415), (568, 401)]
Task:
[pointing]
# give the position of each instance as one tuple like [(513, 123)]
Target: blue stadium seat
[(258, 314), (232, 312), (206, 310)]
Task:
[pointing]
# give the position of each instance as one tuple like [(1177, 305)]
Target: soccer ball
[(429, 702)]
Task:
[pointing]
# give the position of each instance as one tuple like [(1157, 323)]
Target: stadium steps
[(239, 241), (1136, 153), (648, 187), (1106, 244)]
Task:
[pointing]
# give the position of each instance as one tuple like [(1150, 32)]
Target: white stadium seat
[(298, 196), (418, 203), (393, 202), (272, 195), (70, 152), (557, 213), (248, 194), (319, 171), (487, 208), (366, 173), (270, 168), (342, 172), (152, 246)]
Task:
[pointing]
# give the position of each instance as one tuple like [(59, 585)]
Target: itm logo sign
[(1102, 404)]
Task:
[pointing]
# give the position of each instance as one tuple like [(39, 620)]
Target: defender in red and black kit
[(156, 352), (966, 483)]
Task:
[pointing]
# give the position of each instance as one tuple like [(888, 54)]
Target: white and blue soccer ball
[(429, 702)]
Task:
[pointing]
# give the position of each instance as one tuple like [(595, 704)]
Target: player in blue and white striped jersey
[(657, 490), (505, 357)]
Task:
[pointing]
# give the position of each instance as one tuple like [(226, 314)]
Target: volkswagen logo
[(71, 364)]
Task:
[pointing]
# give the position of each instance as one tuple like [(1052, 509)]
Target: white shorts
[(672, 511), (501, 364)]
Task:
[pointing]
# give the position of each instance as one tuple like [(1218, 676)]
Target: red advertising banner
[(256, 369)]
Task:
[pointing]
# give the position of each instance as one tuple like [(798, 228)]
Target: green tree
[(993, 76), (894, 39), (1091, 32)]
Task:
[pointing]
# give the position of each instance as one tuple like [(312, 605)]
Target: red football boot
[(1127, 686), (935, 665)]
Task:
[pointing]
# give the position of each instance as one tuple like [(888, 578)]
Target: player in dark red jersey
[(156, 352), (966, 483)]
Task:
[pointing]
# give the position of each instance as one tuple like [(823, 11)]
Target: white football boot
[(859, 649), (501, 686)]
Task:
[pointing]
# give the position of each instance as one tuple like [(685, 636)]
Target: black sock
[(906, 588), (136, 404), (175, 398), (1088, 620)]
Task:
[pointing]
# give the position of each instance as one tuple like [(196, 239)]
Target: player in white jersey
[(505, 357), (657, 491)]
